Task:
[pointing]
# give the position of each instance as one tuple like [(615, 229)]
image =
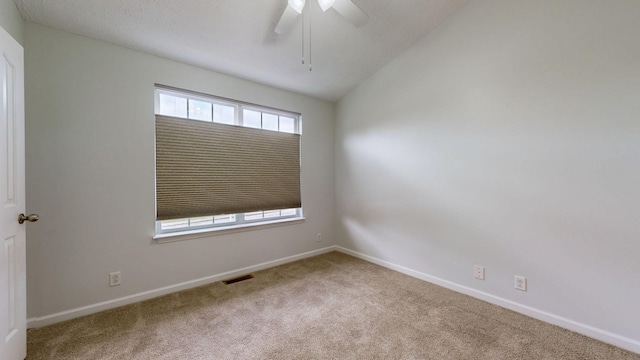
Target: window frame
[(239, 107)]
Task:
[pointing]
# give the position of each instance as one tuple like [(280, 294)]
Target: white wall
[(90, 174), (10, 19), (510, 138)]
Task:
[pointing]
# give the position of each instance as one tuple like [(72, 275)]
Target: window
[(222, 163)]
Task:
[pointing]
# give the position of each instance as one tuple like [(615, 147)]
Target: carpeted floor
[(331, 306)]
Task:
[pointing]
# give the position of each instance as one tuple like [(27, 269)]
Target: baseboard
[(587, 330), (111, 304)]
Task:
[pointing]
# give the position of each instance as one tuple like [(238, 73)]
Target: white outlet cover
[(478, 272), (114, 278), (520, 283)]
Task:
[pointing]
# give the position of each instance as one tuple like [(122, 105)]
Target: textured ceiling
[(236, 36)]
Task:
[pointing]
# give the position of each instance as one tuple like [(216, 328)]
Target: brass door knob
[(30, 218)]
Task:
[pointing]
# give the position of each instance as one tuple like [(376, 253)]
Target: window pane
[(271, 214), (287, 125), (199, 110), (288, 212), (201, 221), (223, 219), (174, 224), (173, 106), (269, 122), (252, 118), (224, 114), (253, 215)]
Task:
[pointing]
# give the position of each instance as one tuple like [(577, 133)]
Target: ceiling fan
[(346, 8)]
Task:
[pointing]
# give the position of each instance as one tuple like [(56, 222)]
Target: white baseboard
[(111, 304), (587, 330)]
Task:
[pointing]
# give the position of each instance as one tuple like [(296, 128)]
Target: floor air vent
[(238, 279)]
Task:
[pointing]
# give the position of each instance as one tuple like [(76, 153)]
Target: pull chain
[(304, 14), (310, 42)]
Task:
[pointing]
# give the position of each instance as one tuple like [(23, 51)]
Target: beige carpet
[(328, 307)]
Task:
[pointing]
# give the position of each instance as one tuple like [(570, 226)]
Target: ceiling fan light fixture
[(297, 5), (325, 4)]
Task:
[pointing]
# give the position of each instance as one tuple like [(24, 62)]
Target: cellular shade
[(205, 168)]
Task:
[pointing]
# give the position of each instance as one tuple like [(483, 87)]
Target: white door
[(13, 297)]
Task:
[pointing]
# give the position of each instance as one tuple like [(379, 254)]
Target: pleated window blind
[(220, 162)]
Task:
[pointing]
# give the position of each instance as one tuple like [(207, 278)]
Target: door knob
[(30, 218)]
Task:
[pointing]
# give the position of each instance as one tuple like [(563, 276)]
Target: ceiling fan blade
[(287, 20), (351, 12)]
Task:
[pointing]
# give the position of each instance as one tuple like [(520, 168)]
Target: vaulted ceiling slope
[(237, 37)]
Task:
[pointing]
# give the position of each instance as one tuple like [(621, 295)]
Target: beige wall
[(10, 19), (90, 174), (509, 138)]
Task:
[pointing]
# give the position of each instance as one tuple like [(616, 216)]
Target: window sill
[(201, 233)]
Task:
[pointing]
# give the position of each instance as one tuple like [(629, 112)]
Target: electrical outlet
[(114, 278), (319, 237), (521, 283), (478, 272)]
